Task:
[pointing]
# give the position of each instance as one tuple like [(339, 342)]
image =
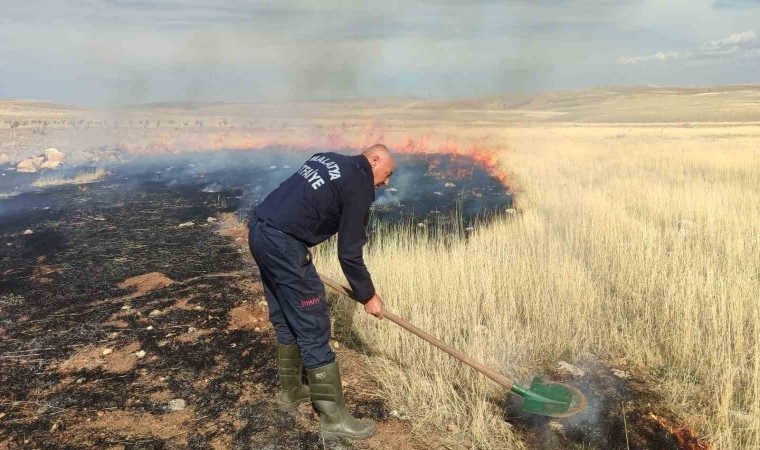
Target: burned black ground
[(91, 239), (60, 300)]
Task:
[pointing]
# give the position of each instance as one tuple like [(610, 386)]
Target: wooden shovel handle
[(403, 323)]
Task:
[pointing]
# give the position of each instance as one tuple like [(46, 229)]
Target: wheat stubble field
[(635, 244)]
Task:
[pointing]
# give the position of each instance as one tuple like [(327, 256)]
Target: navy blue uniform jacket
[(331, 193)]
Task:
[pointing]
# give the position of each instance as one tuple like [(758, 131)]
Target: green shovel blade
[(551, 399)]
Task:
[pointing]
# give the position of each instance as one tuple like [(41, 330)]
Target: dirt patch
[(116, 324), (393, 435), (160, 396), (184, 304), (225, 431), (252, 391), (193, 335), (170, 427), (247, 317), (232, 227), (119, 360), (146, 282), (45, 274)]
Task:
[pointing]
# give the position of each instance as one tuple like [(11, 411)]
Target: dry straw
[(637, 243), (83, 177)]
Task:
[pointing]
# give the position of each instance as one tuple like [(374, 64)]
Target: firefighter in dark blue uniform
[(331, 193)]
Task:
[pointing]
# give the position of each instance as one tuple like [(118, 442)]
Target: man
[(330, 193)]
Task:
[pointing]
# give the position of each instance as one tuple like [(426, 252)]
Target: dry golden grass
[(83, 177), (635, 243)]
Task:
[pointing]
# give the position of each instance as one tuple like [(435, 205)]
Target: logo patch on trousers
[(320, 375), (311, 301)]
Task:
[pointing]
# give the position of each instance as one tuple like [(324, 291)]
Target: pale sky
[(109, 52)]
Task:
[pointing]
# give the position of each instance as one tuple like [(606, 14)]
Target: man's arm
[(352, 235)]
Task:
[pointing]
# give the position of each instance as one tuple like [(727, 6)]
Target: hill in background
[(640, 104)]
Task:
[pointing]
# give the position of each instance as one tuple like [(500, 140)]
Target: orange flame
[(686, 437), (372, 135), (319, 139)]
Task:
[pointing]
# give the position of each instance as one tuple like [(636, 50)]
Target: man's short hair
[(377, 148)]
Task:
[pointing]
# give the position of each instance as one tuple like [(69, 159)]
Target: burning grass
[(637, 246), (83, 177)]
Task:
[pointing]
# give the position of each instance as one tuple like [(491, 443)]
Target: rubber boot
[(327, 396), (292, 390)]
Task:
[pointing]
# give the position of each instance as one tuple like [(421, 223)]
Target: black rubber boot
[(292, 390), (327, 396)]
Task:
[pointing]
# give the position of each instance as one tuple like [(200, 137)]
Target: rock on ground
[(30, 165), (50, 165), (53, 154), (50, 159), (177, 404)]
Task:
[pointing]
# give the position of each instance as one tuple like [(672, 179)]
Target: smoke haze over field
[(109, 52)]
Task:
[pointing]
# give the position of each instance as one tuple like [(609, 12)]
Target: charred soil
[(121, 329)]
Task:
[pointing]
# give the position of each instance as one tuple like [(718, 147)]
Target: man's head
[(381, 160)]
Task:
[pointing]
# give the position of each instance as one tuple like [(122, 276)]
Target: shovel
[(542, 398)]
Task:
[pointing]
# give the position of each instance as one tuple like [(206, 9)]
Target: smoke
[(424, 186), (616, 415), (421, 185), (126, 52), (132, 87)]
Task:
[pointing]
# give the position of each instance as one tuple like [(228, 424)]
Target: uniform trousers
[(294, 293)]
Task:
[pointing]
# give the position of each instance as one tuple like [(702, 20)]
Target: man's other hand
[(375, 306)]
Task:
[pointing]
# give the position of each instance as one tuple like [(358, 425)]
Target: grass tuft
[(84, 177)]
